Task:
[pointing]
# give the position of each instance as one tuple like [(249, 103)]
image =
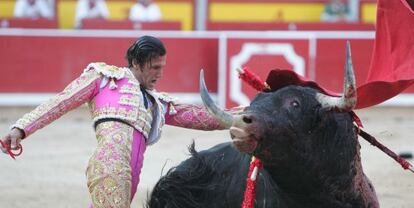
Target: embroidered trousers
[(114, 168)]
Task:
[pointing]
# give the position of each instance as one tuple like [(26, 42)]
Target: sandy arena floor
[(51, 171)]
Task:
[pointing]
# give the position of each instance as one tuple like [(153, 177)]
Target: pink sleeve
[(192, 117), (76, 93)]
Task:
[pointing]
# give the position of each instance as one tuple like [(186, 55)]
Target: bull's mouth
[(238, 132), (243, 139)]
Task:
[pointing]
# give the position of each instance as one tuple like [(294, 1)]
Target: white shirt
[(41, 8), (83, 11), (141, 13)]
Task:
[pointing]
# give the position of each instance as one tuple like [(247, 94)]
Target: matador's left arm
[(195, 117), (192, 117)]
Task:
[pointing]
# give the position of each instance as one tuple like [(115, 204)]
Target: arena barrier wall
[(37, 63)]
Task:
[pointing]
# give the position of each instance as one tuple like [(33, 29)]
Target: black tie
[(144, 94)]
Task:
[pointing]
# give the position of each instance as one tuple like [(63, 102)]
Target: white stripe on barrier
[(222, 72)]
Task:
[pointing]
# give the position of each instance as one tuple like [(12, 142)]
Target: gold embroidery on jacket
[(107, 70), (138, 117), (130, 101), (135, 90)]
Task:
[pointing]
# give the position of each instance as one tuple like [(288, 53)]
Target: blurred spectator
[(145, 11), (34, 9), (353, 15), (336, 11), (89, 9)]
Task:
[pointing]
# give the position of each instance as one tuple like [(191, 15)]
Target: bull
[(308, 145)]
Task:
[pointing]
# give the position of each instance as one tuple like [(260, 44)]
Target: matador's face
[(151, 73)]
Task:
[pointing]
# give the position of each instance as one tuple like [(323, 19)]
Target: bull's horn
[(348, 100), (223, 117)]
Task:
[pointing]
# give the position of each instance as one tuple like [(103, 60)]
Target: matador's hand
[(12, 140)]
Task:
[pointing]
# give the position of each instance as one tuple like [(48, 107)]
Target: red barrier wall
[(47, 64), (45, 61)]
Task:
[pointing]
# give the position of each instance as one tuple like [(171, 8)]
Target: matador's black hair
[(144, 50)]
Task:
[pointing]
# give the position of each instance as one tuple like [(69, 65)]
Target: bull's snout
[(243, 125), (244, 121), (238, 129), (241, 133)]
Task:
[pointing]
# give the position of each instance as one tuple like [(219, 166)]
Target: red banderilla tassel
[(252, 79), (9, 150), (252, 176)]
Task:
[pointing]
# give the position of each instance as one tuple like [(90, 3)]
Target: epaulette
[(109, 71), (165, 97), (170, 101)]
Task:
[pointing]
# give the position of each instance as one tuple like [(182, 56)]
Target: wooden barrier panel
[(45, 61), (44, 64)]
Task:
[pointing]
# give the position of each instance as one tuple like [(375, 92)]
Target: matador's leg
[(109, 170)]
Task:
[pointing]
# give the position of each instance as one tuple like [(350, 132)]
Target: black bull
[(310, 153)]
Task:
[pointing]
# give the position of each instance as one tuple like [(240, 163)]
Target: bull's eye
[(294, 104)]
